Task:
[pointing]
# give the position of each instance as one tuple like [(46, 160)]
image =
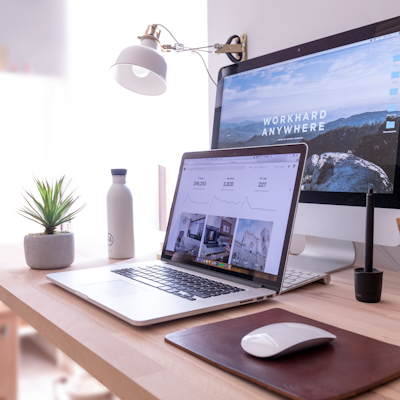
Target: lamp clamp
[(238, 47)]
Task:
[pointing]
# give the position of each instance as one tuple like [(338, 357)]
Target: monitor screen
[(339, 95)]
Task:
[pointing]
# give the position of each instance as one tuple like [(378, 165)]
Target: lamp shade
[(141, 69)]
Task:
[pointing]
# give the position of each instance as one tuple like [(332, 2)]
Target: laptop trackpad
[(109, 289)]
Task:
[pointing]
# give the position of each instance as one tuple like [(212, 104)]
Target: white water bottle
[(120, 217)]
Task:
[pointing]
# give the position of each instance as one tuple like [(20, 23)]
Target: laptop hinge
[(270, 288), (216, 274)]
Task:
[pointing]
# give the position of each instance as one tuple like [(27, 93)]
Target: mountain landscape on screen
[(347, 150)]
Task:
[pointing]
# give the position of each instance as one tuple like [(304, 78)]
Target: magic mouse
[(284, 338)]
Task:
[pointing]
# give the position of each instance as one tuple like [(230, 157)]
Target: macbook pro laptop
[(243, 201)]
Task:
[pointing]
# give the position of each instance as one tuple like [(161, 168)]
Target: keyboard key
[(172, 290), (147, 281), (163, 287), (297, 281), (202, 295)]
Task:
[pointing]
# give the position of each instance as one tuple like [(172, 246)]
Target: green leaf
[(53, 206)]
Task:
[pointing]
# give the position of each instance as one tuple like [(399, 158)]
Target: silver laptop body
[(226, 243)]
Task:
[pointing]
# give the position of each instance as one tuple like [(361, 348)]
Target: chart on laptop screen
[(344, 103), (233, 212)]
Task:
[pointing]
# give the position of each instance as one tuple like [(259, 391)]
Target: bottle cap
[(119, 171)]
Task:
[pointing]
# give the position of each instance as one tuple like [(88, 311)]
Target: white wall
[(84, 123), (33, 36), (34, 142), (115, 128), (33, 121), (273, 25)]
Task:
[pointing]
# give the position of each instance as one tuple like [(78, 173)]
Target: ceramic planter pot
[(49, 251)]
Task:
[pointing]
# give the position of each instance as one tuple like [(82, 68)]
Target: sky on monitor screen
[(343, 83)]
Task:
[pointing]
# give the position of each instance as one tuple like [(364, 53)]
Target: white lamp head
[(142, 69)]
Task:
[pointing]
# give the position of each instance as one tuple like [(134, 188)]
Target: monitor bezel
[(355, 35), (183, 259)]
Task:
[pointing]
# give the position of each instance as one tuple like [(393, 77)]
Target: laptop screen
[(231, 210)]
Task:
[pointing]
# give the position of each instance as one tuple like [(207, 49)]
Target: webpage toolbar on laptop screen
[(232, 212)]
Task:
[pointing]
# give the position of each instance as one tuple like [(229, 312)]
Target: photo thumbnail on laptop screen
[(232, 213), (344, 103)]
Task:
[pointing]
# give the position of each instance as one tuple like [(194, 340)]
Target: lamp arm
[(239, 47), (236, 51)]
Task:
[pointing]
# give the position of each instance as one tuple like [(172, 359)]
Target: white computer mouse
[(280, 339)]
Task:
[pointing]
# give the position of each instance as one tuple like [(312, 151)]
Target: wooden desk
[(8, 354), (136, 363)]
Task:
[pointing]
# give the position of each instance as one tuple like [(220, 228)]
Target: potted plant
[(50, 249)]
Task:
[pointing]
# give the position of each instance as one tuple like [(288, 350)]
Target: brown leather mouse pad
[(349, 365)]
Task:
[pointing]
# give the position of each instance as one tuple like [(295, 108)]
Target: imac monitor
[(340, 95), (196, 228), (212, 235)]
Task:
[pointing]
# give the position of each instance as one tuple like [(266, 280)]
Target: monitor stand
[(324, 255)]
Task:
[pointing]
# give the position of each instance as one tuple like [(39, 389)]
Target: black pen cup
[(368, 285)]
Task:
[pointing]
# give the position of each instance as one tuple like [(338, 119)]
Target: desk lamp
[(142, 69)]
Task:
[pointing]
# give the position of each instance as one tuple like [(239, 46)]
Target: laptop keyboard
[(179, 283), (295, 278)]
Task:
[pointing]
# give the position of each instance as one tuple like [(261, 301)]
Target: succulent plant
[(53, 208)]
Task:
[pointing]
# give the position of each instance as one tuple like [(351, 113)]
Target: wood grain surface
[(136, 362), (8, 354)]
